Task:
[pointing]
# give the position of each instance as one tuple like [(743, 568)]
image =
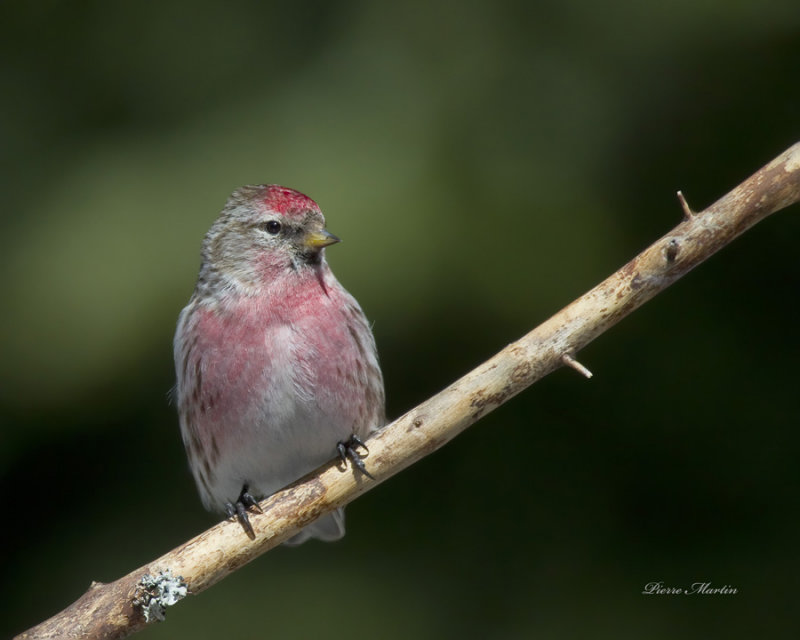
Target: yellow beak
[(320, 239)]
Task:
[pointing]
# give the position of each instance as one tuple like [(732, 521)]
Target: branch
[(117, 609)]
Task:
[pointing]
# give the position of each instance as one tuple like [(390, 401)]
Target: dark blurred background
[(485, 163)]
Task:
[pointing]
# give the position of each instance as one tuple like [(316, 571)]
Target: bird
[(276, 365)]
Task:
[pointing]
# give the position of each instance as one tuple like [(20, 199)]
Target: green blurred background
[(485, 163)]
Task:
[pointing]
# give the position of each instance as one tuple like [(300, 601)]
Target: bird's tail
[(328, 528)]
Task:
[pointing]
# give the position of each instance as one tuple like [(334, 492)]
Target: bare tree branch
[(116, 610)]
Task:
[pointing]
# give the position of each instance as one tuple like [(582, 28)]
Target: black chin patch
[(311, 257)]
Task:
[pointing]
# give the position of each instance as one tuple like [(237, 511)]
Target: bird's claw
[(349, 451), (239, 510)]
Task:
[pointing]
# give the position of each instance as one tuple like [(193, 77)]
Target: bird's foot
[(239, 510), (349, 450)]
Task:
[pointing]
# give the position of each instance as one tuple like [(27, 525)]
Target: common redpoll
[(276, 364)]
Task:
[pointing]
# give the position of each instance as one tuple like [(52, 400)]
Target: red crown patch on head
[(288, 202)]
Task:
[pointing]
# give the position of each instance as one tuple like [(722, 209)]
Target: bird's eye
[(272, 227)]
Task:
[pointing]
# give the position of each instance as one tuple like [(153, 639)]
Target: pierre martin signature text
[(697, 588)]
